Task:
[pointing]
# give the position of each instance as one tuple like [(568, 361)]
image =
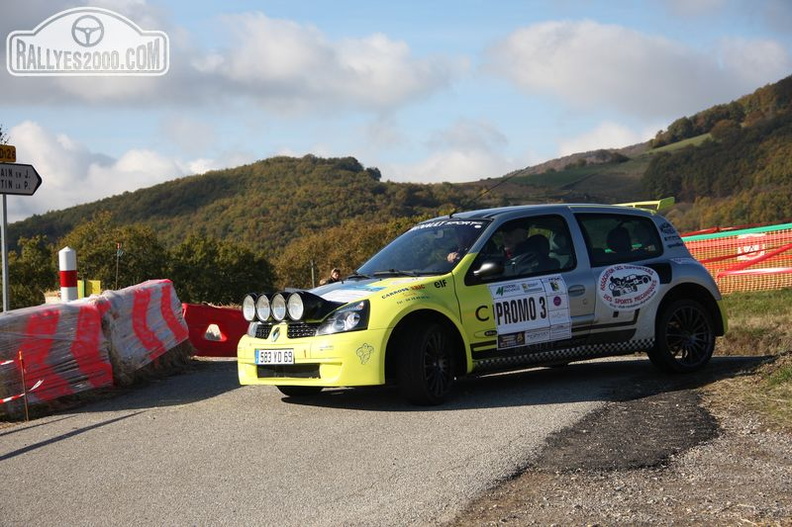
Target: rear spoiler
[(656, 205)]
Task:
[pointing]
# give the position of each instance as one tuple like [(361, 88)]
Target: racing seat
[(618, 241)]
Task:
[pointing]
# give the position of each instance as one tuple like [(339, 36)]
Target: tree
[(726, 130), (220, 272), (32, 271), (119, 256), (346, 246)]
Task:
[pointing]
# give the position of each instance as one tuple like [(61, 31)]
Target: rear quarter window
[(619, 238)]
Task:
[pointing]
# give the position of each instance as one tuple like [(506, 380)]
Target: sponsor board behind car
[(490, 290)]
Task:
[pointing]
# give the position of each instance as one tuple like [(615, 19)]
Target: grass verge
[(760, 324)]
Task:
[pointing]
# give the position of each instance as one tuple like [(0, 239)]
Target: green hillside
[(264, 205)]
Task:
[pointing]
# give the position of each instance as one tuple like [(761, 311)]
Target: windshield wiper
[(395, 272), (358, 276)]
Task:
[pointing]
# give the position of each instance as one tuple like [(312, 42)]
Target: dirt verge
[(676, 457)]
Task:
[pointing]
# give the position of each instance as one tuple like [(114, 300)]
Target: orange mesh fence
[(752, 259)]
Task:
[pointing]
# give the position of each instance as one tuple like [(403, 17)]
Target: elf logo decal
[(627, 287)]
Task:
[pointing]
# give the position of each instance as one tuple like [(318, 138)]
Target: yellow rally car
[(490, 290)]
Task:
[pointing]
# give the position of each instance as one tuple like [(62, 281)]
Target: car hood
[(354, 290)]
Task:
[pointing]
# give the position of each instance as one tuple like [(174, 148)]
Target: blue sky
[(427, 91)]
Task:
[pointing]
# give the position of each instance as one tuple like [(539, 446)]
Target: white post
[(67, 260)]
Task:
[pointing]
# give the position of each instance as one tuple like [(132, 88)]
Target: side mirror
[(488, 269)]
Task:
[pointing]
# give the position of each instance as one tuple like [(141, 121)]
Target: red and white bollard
[(67, 260)]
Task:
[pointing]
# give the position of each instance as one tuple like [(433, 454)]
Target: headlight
[(353, 317), (249, 308), (263, 308), (295, 307), (278, 305)]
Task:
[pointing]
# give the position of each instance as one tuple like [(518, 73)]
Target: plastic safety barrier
[(745, 259), (61, 348), (143, 322), (214, 331)]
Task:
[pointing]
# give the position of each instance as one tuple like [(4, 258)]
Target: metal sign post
[(5, 256), (22, 180)]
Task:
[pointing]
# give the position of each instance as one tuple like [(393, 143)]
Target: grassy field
[(760, 324)]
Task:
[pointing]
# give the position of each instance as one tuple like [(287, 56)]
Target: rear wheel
[(299, 391), (684, 337), (426, 370)]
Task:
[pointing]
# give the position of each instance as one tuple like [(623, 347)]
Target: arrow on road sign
[(22, 180)]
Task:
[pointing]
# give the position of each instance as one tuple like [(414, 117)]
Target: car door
[(619, 247), (526, 292)]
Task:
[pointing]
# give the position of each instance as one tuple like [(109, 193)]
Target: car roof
[(518, 210)]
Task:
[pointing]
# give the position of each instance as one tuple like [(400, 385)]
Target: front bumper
[(356, 358)]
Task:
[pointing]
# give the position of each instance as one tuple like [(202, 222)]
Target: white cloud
[(452, 166), (285, 63), (606, 135), (281, 64), (71, 174), (134, 169), (469, 134), (597, 66), (754, 62), (468, 150), (191, 135)]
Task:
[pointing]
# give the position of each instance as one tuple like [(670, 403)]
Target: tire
[(425, 365), (684, 337), (299, 391)]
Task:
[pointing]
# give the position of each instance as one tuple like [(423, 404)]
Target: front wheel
[(684, 337), (425, 370), (299, 391)]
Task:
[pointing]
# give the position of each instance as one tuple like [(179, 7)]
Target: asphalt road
[(198, 449)]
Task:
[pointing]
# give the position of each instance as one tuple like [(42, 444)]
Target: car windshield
[(433, 247)]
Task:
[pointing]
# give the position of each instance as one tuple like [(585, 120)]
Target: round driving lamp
[(278, 306), (249, 308), (295, 306), (263, 308)]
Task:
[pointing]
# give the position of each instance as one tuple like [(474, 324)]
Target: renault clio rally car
[(490, 290)]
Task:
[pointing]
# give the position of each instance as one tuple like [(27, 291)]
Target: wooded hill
[(730, 164)]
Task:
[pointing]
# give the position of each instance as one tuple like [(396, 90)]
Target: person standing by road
[(335, 276)]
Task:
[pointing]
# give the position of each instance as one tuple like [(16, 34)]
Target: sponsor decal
[(529, 311), (364, 353), (752, 246), (671, 237), (396, 292), (627, 287), (476, 224)]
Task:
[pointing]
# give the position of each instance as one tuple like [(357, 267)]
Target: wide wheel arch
[(419, 319), (701, 295)]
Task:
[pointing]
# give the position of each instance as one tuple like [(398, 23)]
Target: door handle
[(576, 290)]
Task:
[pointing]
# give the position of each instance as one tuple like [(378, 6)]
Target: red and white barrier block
[(55, 350), (143, 322), (61, 348)]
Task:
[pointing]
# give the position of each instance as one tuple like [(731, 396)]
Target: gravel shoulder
[(665, 455)]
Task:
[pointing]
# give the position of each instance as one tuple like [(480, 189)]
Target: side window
[(615, 238), (528, 247)]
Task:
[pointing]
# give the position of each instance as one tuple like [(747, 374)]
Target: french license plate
[(275, 356)]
